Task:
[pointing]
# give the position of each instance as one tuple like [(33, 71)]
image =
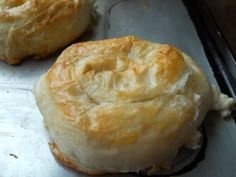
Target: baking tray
[(24, 151)]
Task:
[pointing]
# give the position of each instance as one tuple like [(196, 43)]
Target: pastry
[(124, 105), (39, 27)]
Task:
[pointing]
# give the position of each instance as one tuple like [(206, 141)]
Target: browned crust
[(69, 163)]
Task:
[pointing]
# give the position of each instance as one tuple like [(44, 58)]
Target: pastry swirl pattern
[(39, 27), (122, 105)]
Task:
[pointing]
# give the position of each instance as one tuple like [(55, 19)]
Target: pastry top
[(39, 27), (106, 102), (110, 84)]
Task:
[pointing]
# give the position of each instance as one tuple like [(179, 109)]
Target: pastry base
[(69, 163)]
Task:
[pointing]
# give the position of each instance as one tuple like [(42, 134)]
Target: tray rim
[(216, 48)]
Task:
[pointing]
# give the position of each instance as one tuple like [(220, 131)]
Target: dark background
[(224, 13)]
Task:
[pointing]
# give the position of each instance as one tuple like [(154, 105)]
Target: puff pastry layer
[(124, 105), (39, 27)]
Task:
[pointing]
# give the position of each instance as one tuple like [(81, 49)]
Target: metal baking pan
[(24, 151)]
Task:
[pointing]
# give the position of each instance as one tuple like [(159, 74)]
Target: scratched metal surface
[(24, 150)]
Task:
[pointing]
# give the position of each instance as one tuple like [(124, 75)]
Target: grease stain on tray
[(145, 4)]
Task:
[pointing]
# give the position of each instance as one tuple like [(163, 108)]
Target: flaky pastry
[(124, 105), (39, 27)]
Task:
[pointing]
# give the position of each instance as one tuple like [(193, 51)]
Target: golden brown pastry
[(124, 105), (39, 27)]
